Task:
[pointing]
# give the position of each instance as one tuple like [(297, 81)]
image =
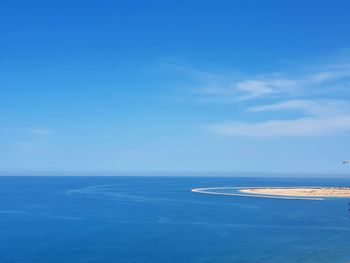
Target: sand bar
[(337, 192), (292, 193)]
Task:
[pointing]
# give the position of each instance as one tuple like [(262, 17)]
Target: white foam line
[(208, 191)]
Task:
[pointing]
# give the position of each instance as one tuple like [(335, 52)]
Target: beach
[(339, 192)]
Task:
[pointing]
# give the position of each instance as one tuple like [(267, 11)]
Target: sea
[(151, 219)]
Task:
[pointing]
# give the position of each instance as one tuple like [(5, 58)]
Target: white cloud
[(234, 86), (318, 94), (323, 117), (254, 89), (290, 86), (340, 72), (295, 84), (309, 107), (309, 126)]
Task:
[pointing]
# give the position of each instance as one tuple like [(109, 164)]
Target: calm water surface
[(158, 219)]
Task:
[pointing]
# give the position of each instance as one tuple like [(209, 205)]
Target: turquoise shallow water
[(158, 219), (237, 191)]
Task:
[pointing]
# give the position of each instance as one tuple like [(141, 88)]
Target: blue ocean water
[(158, 219)]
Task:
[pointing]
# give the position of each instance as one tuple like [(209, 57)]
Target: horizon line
[(165, 173)]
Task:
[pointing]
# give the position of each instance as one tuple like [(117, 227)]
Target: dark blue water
[(158, 219)]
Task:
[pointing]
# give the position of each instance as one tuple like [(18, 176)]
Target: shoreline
[(319, 192), (290, 193)]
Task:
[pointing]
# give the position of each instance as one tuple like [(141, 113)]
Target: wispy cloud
[(275, 85), (306, 91), (232, 86), (308, 107), (315, 95), (308, 126), (323, 117), (297, 83), (39, 131)]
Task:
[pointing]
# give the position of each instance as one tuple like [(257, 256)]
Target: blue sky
[(208, 86)]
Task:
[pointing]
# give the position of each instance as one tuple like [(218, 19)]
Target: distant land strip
[(293, 193)]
